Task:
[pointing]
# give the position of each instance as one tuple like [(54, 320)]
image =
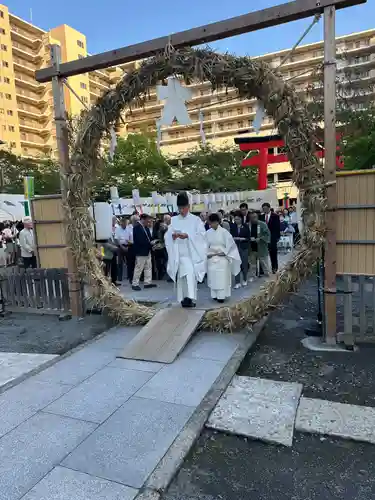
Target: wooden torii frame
[(253, 21)]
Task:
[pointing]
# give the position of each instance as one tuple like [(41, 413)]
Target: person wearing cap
[(186, 245), (27, 243)]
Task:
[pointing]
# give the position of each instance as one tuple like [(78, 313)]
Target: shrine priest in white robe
[(224, 261), (186, 245)]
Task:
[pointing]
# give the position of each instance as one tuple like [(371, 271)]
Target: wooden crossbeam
[(253, 21)]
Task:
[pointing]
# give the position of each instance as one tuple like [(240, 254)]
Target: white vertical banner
[(136, 197), (201, 128)]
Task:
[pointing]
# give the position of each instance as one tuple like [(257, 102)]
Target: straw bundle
[(250, 79)]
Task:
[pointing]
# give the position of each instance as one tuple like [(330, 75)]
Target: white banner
[(229, 201)]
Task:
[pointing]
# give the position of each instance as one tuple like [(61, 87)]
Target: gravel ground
[(222, 467), (227, 467), (44, 334), (345, 377)]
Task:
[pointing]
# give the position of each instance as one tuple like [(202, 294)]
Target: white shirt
[(129, 234), (27, 242), (293, 217), (120, 235)]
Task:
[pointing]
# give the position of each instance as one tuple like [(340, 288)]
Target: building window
[(1, 14), (250, 109), (221, 126), (11, 128), (8, 96), (239, 111), (1, 111), (83, 85), (357, 45), (229, 126), (80, 44), (229, 112), (201, 92), (221, 114), (6, 79), (5, 64), (84, 99), (2, 31), (9, 112), (4, 47), (240, 124), (23, 136), (12, 144)]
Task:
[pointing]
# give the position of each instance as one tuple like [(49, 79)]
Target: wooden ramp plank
[(164, 336)]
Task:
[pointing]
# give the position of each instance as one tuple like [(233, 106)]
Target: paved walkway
[(165, 292), (93, 426)]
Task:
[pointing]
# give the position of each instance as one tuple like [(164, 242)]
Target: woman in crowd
[(241, 236)]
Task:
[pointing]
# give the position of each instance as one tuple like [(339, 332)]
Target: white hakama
[(187, 259), (220, 268)]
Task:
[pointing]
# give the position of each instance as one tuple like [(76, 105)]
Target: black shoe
[(169, 280), (136, 288), (220, 301), (150, 285), (186, 302)]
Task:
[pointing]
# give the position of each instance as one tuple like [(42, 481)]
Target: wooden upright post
[(330, 172), (62, 138)]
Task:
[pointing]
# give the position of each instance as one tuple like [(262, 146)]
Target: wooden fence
[(35, 290), (356, 222), (357, 300)]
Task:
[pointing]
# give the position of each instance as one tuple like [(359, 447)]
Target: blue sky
[(116, 23)]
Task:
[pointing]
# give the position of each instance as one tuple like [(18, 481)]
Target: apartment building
[(26, 108)]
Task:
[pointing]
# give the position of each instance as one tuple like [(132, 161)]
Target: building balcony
[(28, 82), (23, 66), (95, 82), (21, 50), (25, 112), (40, 145), (24, 37)]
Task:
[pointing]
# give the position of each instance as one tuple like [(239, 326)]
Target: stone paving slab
[(100, 395), (16, 364), (24, 400), (133, 364), (185, 382), (77, 367), (258, 408), (30, 451), (116, 338), (209, 345), (66, 484), (336, 419), (128, 446)]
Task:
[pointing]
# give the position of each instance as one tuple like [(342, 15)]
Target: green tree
[(14, 168), (207, 168), (358, 144), (137, 164)]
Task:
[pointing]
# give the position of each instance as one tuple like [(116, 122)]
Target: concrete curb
[(51, 362), (169, 465)]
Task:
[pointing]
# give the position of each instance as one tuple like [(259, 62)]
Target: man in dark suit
[(244, 209), (273, 222), (142, 247)]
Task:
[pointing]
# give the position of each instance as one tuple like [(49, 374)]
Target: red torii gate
[(264, 158)]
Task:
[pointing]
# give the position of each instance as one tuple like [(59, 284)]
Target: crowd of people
[(138, 248), (17, 245)]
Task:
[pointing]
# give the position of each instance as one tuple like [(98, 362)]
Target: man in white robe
[(185, 242), (223, 260)]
